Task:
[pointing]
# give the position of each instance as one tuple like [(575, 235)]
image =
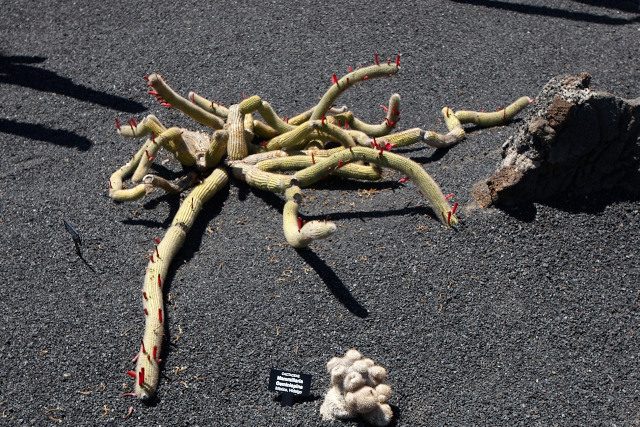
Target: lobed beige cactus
[(357, 390), (316, 143)]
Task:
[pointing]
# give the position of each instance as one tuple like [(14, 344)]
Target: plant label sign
[(289, 384)]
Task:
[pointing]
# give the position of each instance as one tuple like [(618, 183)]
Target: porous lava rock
[(573, 141)]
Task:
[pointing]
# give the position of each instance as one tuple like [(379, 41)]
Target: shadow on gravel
[(333, 282), (17, 70), (589, 204), (384, 213), (626, 6), (298, 399), (61, 137)]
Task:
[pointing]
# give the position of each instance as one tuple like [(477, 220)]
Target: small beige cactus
[(358, 390)]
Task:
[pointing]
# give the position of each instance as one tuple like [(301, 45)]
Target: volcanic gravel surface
[(522, 317)]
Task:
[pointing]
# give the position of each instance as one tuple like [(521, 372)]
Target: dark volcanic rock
[(573, 140)]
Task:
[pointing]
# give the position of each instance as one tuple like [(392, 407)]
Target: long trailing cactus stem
[(116, 190), (297, 233), (147, 369), (428, 187), (348, 120), (358, 75), (298, 162), (496, 118), (171, 99)]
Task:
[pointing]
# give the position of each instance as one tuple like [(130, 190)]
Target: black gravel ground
[(525, 317)]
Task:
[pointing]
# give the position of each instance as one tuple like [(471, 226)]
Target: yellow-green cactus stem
[(171, 139), (292, 137), (300, 235), (429, 188), (248, 128), (147, 370), (210, 106), (336, 134), (151, 149), (237, 147), (254, 103), (340, 85), (217, 149), (437, 140), (295, 163), (496, 118), (168, 186), (116, 192), (150, 125), (254, 159), (263, 130), (171, 99), (393, 113), (276, 183)]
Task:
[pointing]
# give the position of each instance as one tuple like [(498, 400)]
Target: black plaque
[(289, 384)]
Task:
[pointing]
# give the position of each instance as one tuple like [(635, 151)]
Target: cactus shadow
[(333, 282), (556, 12), (174, 204), (298, 399), (20, 71), (61, 137), (435, 156)]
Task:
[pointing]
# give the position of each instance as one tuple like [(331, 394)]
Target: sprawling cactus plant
[(322, 141)]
